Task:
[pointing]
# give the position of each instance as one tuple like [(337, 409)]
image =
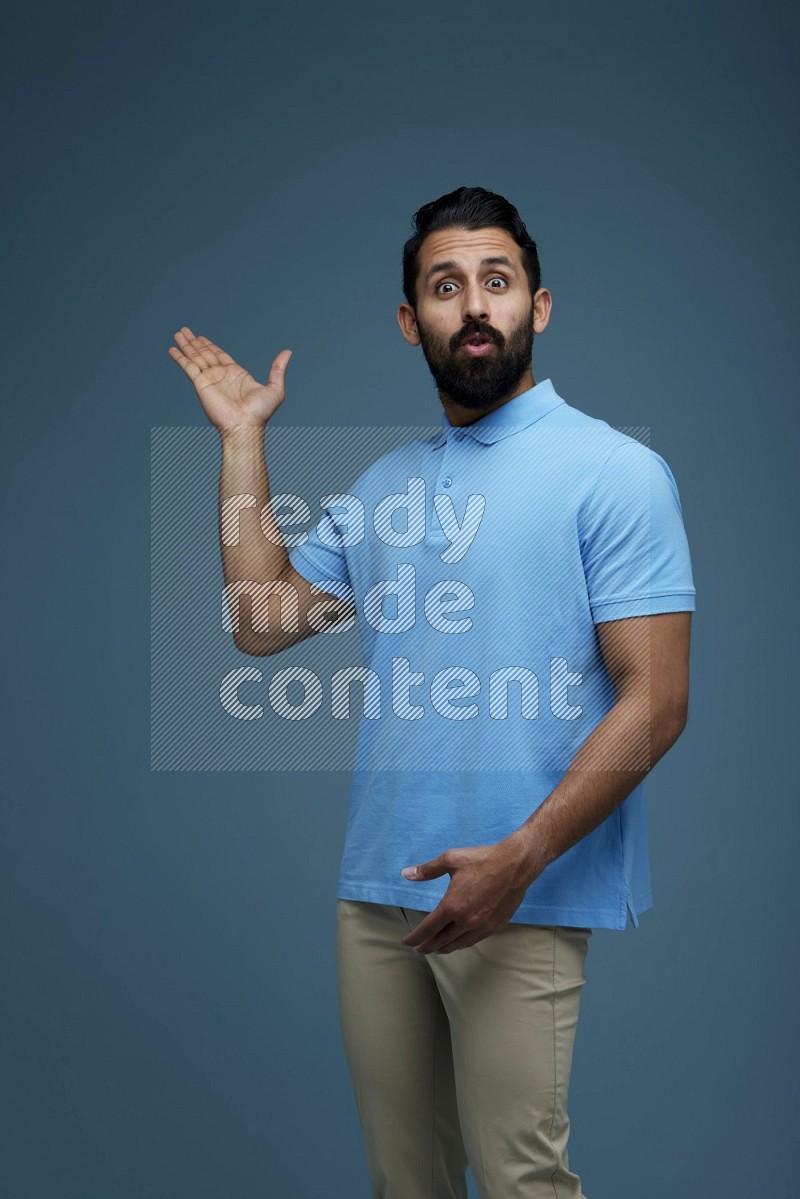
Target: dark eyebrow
[(498, 260)]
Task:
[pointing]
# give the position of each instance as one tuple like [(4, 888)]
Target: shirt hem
[(527, 913)]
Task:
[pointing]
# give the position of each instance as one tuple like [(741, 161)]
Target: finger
[(463, 942), (426, 928), (200, 352), (186, 340), (217, 351), (446, 937), (192, 347), (210, 354), (431, 932), (186, 364)]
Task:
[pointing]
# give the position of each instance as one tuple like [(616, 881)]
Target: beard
[(479, 382)]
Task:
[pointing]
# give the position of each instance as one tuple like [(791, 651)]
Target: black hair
[(467, 208)]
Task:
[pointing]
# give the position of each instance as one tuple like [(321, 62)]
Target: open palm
[(231, 397)]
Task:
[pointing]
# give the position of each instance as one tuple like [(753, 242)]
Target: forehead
[(467, 245)]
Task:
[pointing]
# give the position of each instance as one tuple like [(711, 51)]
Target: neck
[(459, 416)]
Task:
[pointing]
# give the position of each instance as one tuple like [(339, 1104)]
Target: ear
[(408, 324), (542, 306)]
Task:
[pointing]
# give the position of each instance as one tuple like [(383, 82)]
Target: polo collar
[(526, 408)]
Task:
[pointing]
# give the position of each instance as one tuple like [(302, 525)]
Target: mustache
[(482, 330)]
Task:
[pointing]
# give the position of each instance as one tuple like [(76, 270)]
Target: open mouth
[(478, 346)]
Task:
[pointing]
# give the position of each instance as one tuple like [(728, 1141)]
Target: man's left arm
[(647, 658)]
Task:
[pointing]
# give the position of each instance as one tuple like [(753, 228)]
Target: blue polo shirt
[(480, 560)]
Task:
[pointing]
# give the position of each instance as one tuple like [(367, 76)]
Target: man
[(492, 824)]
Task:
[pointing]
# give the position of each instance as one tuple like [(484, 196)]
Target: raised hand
[(231, 398)]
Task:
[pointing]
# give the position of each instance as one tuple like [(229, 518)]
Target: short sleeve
[(321, 558), (634, 549)]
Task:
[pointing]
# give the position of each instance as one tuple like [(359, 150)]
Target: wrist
[(530, 855), (243, 434)]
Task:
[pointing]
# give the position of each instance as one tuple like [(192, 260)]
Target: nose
[(475, 306)]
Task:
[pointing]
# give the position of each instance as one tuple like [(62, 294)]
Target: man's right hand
[(231, 398)]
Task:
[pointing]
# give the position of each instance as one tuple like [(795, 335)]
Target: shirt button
[(446, 482), (459, 434)]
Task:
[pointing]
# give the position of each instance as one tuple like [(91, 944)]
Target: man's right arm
[(271, 605), (268, 599)]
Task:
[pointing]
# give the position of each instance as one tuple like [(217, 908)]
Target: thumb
[(278, 368), (433, 869)]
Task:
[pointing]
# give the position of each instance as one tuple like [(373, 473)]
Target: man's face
[(470, 298)]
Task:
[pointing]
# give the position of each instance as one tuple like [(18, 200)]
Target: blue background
[(169, 1017)]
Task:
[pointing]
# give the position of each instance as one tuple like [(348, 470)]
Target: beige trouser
[(461, 1057)]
